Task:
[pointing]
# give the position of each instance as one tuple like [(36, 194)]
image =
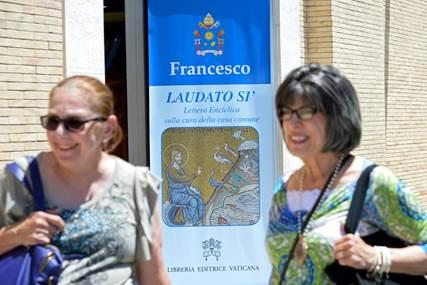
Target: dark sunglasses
[(51, 123)]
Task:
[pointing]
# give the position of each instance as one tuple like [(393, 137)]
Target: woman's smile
[(299, 139), (66, 147)]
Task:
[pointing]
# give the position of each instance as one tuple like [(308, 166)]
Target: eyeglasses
[(51, 123), (304, 113)]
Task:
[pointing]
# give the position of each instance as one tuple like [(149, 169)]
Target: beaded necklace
[(302, 247)]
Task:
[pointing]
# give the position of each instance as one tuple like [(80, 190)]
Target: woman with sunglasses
[(319, 113), (101, 208)]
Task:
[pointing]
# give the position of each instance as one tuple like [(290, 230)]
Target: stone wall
[(31, 62), (382, 48)]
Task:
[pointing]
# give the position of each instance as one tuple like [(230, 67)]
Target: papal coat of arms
[(209, 37), (211, 247)]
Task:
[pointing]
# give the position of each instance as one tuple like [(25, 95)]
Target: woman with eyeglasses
[(319, 114), (101, 208)]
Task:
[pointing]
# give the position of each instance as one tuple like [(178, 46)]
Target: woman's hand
[(38, 228), (351, 250)]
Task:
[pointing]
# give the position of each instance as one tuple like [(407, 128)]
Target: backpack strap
[(31, 181), (358, 200)]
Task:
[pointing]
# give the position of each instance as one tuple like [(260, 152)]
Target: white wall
[(289, 31), (84, 38)]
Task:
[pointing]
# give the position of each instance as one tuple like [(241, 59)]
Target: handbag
[(345, 275), (37, 264)]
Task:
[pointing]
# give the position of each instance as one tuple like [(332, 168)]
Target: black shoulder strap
[(358, 200), (34, 184)]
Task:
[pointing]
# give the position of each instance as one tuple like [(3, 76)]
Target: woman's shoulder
[(123, 168), (380, 171), (18, 168), (281, 186), (379, 174), (382, 180), (127, 171), (16, 200), (285, 180)]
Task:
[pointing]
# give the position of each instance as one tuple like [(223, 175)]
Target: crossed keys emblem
[(211, 248)]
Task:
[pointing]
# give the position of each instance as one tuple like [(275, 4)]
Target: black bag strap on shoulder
[(358, 200), (344, 275)]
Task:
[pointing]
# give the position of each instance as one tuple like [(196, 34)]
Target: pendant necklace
[(302, 246)]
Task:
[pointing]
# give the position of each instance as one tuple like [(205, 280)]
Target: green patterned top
[(389, 206)]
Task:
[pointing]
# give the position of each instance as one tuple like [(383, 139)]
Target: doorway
[(115, 65)]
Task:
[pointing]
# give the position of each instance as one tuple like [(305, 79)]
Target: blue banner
[(196, 42), (212, 139)]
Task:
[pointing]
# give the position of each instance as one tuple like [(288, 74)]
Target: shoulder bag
[(37, 264), (344, 275)]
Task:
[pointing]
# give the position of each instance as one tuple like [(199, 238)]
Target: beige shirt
[(111, 231)]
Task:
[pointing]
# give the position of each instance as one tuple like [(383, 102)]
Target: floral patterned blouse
[(108, 234), (389, 206)]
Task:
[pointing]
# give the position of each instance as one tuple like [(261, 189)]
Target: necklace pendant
[(301, 251)]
